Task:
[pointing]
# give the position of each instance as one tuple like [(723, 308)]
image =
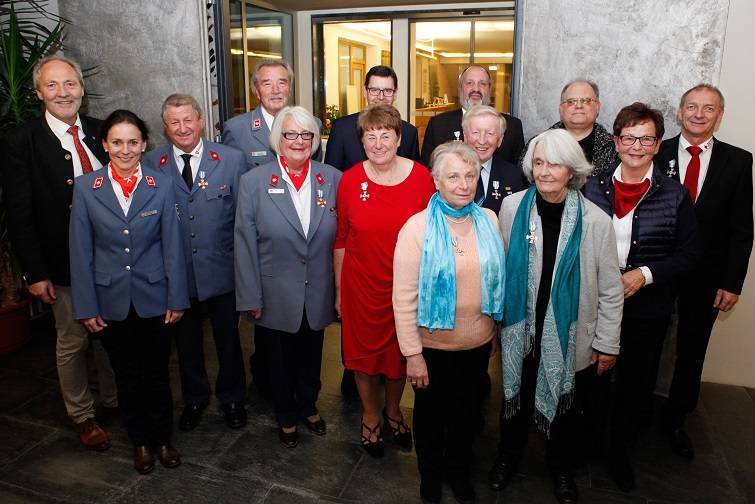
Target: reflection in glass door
[(440, 50)]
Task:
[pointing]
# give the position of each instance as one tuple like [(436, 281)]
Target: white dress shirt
[(122, 200), (196, 158), (623, 229), (485, 174), (302, 198), (685, 157), (268, 117), (66, 141)]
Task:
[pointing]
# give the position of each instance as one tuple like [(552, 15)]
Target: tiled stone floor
[(41, 460)]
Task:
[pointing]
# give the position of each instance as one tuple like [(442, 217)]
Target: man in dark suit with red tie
[(718, 177), (42, 157)]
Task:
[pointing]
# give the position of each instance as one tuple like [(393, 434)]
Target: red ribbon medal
[(163, 159), (214, 155)]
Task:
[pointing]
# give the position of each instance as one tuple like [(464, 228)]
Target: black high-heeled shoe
[(376, 449), (401, 434)]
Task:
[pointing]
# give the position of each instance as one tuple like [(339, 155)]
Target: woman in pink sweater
[(447, 299)]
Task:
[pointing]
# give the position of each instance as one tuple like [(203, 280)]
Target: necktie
[(86, 164), (693, 171), (479, 195), (186, 172)]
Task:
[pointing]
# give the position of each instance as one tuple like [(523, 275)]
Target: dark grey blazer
[(277, 268)]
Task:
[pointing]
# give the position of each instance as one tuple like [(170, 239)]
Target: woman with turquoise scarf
[(563, 309), (449, 273)]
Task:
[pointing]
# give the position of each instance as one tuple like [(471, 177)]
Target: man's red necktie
[(693, 171), (86, 165)]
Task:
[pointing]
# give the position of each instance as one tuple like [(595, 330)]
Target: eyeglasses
[(293, 135), (582, 101), (645, 141), (373, 91)]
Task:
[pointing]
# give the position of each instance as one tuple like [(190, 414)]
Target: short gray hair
[(701, 86), (271, 62), (444, 151), (481, 111), (37, 71), (580, 80), (303, 119), (559, 147), (179, 100)]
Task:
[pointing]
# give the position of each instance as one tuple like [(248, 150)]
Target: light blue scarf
[(437, 267), (555, 376)]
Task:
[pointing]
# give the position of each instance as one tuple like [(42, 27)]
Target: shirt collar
[(268, 117), (197, 152), (486, 165), (706, 145), (648, 174), (59, 127)]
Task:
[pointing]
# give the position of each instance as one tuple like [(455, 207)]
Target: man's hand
[(633, 281), (94, 324), (44, 291), (256, 314), (725, 300), (173, 316)]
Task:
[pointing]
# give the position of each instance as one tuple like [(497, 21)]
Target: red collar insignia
[(319, 178), (150, 181), (97, 183), (257, 123), (274, 180), (214, 155), (163, 159)]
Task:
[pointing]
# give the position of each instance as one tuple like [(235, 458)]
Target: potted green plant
[(24, 40)]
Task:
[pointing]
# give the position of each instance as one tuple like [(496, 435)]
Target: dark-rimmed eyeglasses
[(645, 141), (373, 91), (293, 135), (582, 101)]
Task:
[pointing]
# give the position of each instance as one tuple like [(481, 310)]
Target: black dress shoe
[(144, 459), (681, 443), (622, 472), (317, 427), (235, 415), (168, 456), (191, 416), (463, 490), (288, 439), (500, 474), (565, 489), (430, 490)]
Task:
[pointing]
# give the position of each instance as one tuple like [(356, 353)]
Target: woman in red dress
[(375, 199)]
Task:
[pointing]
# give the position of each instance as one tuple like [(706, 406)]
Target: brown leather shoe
[(169, 456), (144, 459), (92, 436)]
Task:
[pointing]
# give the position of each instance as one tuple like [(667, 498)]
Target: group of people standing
[(564, 256)]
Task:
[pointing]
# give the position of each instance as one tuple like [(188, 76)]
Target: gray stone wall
[(144, 51), (635, 50)]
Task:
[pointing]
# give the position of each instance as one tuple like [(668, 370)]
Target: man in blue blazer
[(41, 160), (474, 89), (272, 80), (344, 148), (205, 178)]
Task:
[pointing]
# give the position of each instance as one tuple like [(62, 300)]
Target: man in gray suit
[(205, 179), (272, 80)]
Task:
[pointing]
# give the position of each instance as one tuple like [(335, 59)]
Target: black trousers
[(294, 361), (566, 438), (696, 319), (139, 351), (636, 374), (230, 385), (445, 412)]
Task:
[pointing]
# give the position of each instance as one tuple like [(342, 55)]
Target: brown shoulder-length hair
[(638, 113), (379, 117)]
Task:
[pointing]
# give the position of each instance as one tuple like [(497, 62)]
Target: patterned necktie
[(479, 195), (693, 171), (186, 172), (86, 164)]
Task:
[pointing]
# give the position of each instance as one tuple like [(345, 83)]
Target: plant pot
[(15, 330)]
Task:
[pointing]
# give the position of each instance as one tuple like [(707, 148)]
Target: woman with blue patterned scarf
[(562, 315), (447, 300)]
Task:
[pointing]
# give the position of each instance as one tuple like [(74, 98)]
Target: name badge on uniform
[(276, 190), (259, 153), (148, 213)]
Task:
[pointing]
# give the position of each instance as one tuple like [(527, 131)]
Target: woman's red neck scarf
[(128, 183), (296, 178), (627, 195)]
